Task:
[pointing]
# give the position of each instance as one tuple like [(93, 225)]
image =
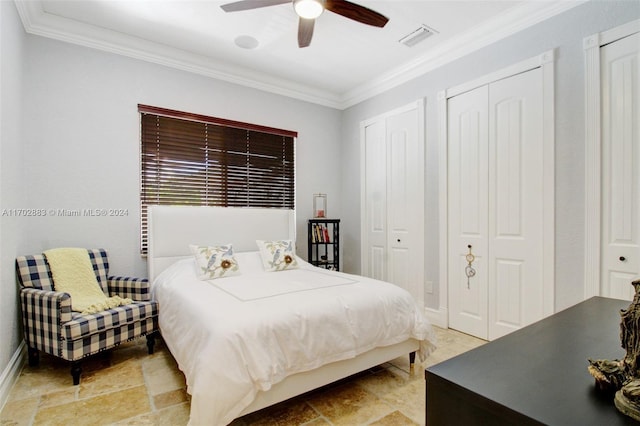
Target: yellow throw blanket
[(72, 273)]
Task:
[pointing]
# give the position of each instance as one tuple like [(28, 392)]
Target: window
[(189, 159)]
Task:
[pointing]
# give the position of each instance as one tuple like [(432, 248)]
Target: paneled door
[(393, 198), (620, 74), (495, 182), (374, 205), (516, 176), (468, 156)]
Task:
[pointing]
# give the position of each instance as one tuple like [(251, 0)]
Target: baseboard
[(10, 374), (437, 317)]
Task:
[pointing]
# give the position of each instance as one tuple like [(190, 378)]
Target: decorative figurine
[(623, 377)]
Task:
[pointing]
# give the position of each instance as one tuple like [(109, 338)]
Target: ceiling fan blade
[(305, 31), (356, 12), (250, 4)]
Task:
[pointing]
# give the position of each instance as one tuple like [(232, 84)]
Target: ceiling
[(346, 62)]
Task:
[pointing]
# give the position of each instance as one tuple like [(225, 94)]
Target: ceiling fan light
[(308, 9)]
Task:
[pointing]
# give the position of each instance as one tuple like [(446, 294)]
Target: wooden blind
[(189, 159)]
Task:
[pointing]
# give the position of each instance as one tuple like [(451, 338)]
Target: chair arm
[(52, 307), (134, 288)]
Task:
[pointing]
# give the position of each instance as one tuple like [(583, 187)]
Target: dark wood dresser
[(536, 375)]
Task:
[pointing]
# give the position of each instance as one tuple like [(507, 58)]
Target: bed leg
[(412, 358)]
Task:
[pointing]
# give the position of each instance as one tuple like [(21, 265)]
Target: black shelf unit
[(324, 243)]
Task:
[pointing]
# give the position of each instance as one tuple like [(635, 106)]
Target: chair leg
[(76, 370), (151, 341), (34, 357)]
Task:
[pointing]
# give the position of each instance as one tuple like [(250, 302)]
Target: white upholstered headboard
[(173, 228)]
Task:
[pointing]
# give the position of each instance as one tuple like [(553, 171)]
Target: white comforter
[(235, 336)]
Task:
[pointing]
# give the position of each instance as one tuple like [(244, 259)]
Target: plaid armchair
[(52, 327)]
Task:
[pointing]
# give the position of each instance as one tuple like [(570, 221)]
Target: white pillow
[(215, 261), (277, 255)]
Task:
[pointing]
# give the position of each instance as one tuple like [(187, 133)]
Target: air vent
[(417, 36)]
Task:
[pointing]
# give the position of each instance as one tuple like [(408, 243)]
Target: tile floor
[(129, 387)]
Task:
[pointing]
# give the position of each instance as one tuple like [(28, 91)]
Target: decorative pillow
[(215, 262), (277, 255)]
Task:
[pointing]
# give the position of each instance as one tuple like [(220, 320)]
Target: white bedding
[(235, 336)]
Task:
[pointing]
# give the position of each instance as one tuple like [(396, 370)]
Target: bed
[(251, 340)]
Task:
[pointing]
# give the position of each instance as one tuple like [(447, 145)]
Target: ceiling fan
[(309, 10)]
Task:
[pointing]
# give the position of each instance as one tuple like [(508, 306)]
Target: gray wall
[(82, 145), (565, 33), (78, 148), (11, 175)]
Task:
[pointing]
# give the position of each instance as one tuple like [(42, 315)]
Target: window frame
[(257, 136)]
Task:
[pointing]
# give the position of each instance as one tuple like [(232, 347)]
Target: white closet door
[(405, 207), (468, 210), (620, 75), (393, 198), (495, 184), (515, 203), (374, 262)]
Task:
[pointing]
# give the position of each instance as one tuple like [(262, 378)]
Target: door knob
[(622, 258), (398, 239)]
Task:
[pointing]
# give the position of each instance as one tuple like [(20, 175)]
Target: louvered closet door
[(620, 62)]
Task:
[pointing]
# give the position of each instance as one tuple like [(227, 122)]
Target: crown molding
[(503, 26), (36, 21)]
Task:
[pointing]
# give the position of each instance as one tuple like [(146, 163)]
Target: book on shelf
[(320, 234)]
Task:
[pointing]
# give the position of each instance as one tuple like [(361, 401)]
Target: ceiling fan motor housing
[(308, 9)]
